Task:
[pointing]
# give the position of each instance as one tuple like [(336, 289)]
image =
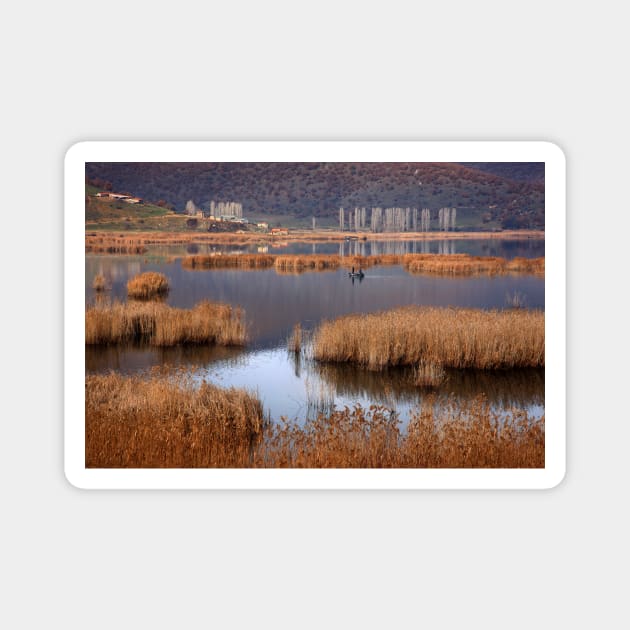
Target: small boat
[(356, 274)]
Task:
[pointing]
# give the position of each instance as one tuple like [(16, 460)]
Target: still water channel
[(298, 387)]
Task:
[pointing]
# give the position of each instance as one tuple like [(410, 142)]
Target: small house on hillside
[(112, 195), (279, 231)]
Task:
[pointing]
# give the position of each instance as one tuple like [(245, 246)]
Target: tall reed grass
[(311, 262), (223, 261), (108, 244), (294, 344), (166, 422), (449, 436), (147, 285), (162, 325), (464, 264), (450, 337)]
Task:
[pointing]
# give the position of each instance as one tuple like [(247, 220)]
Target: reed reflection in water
[(292, 385)]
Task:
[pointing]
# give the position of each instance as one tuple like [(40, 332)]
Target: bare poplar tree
[(341, 219), (453, 215)]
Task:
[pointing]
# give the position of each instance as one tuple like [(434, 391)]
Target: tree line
[(396, 219)]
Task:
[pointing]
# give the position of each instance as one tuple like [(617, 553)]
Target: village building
[(111, 195)]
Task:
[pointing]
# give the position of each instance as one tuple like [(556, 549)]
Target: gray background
[(329, 70)]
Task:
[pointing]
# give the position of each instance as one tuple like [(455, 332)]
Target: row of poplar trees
[(396, 219)]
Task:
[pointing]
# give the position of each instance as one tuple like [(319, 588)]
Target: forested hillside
[(506, 195)]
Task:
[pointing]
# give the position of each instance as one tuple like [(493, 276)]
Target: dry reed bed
[(104, 238), (158, 324), (464, 264), (440, 264), (165, 422), (148, 285), (226, 261), (450, 436), (446, 337), (114, 245), (311, 262)]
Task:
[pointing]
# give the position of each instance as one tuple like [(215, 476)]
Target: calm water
[(274, 303), (513, 248)]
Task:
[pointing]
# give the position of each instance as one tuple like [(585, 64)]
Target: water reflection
[(291, 385), (274, 302), (503, 387), (504, 248)]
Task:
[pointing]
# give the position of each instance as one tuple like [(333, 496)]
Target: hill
[(298, 191), (515, 171)]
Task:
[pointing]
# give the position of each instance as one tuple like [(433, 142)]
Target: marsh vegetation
[(164, 421), (362, 375), (148, 285), (158, 324), (447, 337), (439, 264)]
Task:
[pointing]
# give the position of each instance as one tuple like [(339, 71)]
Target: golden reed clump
[(167, 422), (310, 262), (158, 324), (108, 244), (147, 285), (449, 337), (464, 264), (225, 261)]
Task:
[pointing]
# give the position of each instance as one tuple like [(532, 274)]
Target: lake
[(298, 387)]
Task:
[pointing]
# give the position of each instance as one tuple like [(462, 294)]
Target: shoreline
[(306, 236)]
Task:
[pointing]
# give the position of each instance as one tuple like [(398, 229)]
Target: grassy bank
[(162, 325), (164, 422), (444, 337)]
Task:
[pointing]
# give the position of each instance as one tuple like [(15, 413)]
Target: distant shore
[(93, 237)]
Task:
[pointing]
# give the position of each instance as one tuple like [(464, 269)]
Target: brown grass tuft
[(99, 284), (162, 325), (455, 338), (295, 340), (148, 285)]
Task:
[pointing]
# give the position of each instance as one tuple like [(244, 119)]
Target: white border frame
[(310, 151)]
